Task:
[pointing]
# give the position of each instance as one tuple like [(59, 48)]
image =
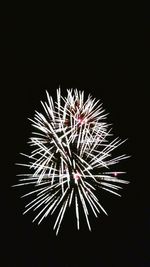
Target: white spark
[(71, 150)]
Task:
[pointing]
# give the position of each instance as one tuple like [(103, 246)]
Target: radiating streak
[(24, 184), (42, 200), (77, 212), (89, 185), (109, 178), (36, 199), (53, 174), (89, 201), (63, 211), (33, 192), (40, 190), (110, 185), (71, 196), (37, 216), (61, 198), (85, 209), (111, 191)]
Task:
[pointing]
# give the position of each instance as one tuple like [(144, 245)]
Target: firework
[(71, 158)]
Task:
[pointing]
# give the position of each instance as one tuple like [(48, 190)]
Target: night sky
[(106, 62)]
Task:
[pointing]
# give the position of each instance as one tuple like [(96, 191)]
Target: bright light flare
[(71, 158)]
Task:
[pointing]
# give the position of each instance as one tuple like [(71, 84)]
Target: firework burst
[(71, 158)]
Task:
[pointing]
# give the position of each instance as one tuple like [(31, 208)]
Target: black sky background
[(109, 60)]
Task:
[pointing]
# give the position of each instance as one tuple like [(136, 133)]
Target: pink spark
[(76, 176)]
